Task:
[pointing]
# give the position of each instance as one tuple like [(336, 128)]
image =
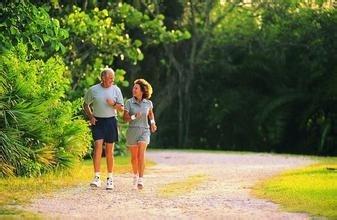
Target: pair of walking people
[(101, 103)]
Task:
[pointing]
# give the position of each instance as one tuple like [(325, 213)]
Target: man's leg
[(98, 155), (97, 163), (109, 147)]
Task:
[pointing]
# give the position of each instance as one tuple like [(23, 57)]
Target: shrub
[(38, 128)]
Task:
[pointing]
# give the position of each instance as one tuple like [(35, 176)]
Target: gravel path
[(225, 194)]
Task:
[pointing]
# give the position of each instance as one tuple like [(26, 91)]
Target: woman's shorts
[(106, 129), (136, 134)]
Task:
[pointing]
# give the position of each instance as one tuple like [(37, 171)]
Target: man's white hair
[(106, 71)]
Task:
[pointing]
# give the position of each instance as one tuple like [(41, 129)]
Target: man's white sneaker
[(140, 184), (109, 184), (96, 182)]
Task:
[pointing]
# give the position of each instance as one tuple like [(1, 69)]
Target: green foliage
[(102, 37), (120, 146), (154, 29), (278, 81), (265, 77), (258, 77), (94, 42), (38, 129), (21, 21), (51, 53)]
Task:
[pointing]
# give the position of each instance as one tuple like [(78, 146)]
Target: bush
[(38, 130)]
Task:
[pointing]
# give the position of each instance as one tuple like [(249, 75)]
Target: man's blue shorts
[(106, 129)]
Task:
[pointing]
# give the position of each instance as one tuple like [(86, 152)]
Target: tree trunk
[(180, 110), (180, 92), (85, 5)]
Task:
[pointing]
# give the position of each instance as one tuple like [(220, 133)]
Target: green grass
[(311, 189), (10, 213), (21, 190), (182, 187)]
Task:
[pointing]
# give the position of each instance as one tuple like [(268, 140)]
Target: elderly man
[(101, 103)]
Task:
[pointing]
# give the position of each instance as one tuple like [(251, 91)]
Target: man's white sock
[(98, 174)]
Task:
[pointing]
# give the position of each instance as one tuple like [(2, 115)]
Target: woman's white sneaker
[(109, 183), (140, 184), (96, 182)]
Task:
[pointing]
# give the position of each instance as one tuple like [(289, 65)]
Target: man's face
[(107, 80)]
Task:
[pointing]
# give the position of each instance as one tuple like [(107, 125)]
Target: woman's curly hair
[(145, 87)]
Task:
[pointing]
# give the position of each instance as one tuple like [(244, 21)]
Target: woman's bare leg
[(134, 158), (141, 157)]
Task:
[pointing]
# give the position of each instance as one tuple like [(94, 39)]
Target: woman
[(138, 112)]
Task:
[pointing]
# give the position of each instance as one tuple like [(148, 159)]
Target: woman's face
[(136, 91)]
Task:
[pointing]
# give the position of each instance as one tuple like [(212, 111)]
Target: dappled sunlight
[(182, 187)]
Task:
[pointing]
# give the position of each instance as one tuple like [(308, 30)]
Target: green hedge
[(38, 127)]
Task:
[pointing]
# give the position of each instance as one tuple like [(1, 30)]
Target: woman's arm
[(152, 121), (151, 114), (127, 117)]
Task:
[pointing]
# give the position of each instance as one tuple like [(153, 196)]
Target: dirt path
[(224, 194)]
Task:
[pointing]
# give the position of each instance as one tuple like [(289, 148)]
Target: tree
[(277, 83), (201, 19), (102, 34), (253, 86)]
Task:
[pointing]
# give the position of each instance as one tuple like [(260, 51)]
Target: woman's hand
[(138, 114), (153, 128)]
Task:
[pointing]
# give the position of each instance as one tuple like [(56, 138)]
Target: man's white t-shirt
[(97, 96)]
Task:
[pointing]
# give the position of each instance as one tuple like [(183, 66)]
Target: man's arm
[(115, 105), (119, 107), (118, 104), (120, 101), (89, 114)]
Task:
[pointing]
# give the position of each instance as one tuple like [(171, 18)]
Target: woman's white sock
[(110, 175)]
